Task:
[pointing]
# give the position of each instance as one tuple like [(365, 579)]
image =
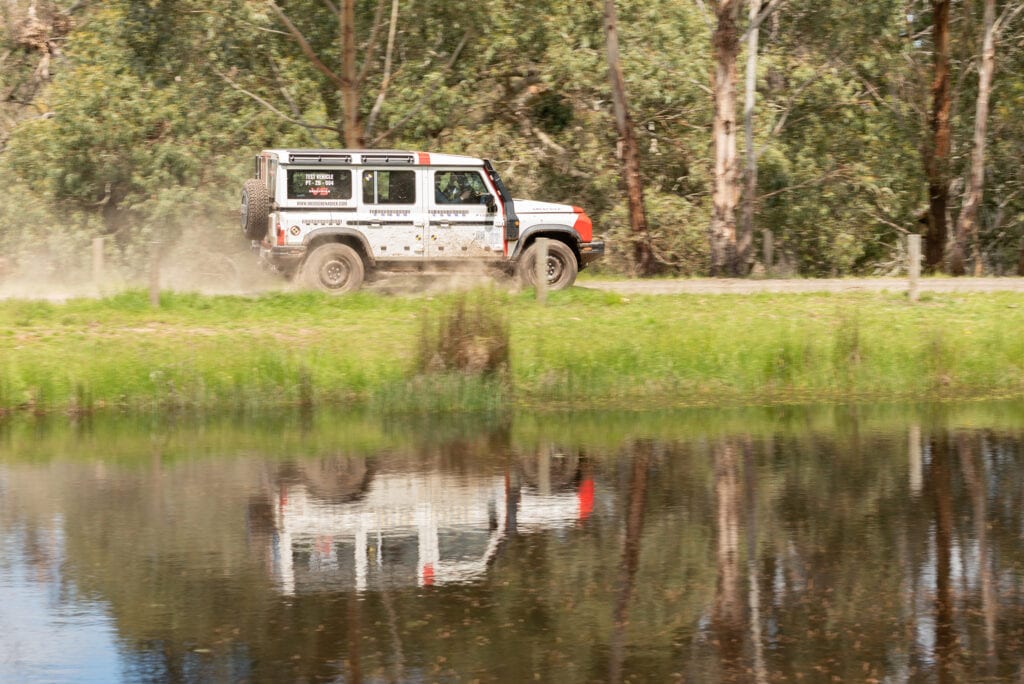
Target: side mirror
[(488, 200)]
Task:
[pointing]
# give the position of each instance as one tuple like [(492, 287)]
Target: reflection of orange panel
[(324, 544), (428, 574), (586, 497)]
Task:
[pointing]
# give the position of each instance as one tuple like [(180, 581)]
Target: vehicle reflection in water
[(813, 546), (393, 529)]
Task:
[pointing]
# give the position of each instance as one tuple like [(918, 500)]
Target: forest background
[(792, 137)]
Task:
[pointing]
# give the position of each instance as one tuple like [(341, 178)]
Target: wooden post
[(97, 262), (154, 276), (769, 250), (541, 273), (914, 267)]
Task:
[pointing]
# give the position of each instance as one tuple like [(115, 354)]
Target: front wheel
[(334, 268), (561, 266)]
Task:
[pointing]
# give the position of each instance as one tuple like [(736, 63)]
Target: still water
[(833, 543)]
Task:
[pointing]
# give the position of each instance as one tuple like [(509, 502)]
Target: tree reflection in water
[(795, 547)]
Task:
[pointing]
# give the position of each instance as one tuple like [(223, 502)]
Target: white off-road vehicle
[(332, 217)]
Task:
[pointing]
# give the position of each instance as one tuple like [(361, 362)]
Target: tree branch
[(272, 108), (419, 105), (386, 81), (1005, 18), (371, 44), (764, 13), (304, 45), (292, 105), (814, 181)]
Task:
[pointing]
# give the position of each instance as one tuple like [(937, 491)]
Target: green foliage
[(147, 112)]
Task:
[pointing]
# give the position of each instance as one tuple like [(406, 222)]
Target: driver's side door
[(460, 224)]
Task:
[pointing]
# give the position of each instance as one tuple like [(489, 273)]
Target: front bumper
[(591, 251)]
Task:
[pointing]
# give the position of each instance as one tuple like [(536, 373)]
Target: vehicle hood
[(532, 207)]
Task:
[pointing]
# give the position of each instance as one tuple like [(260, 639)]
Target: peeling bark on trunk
[(937, 157), (725, 192), (643, 254), (744, 241), (967, 226), (351, 124)]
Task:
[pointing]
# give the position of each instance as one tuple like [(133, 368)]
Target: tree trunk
[(643, 254), (630, 560), (937, 164), (745, 239), (945, 630), (967, 226), (725, 192), (727, 610), (351, 124)]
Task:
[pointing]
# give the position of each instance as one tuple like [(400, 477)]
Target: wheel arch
[(352, 238), (553, 232)]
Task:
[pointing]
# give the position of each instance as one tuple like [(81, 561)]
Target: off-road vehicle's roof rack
[(314, 157), (388, 158)]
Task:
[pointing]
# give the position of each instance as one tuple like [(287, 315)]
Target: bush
[(471, 338)]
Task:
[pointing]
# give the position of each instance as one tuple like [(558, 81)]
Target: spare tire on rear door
[(255, 209)]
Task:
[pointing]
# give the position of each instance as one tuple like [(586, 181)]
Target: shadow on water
[(834, 543)]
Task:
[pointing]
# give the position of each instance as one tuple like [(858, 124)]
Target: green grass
[(584, 350)]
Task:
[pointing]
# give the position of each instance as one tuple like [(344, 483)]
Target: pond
[(863, 543)]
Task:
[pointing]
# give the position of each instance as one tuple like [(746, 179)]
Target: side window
[(459, 187), (334, 184), (389, 187)]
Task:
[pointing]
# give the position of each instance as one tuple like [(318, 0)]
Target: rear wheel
[(334, 268), (561, 266)]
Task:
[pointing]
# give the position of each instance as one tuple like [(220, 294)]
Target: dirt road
[(729, 286), (409, 284)]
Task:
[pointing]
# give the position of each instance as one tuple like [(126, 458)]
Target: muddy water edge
[(854, 543)]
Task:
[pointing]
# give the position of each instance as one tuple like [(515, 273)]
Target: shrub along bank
[(583, 350)]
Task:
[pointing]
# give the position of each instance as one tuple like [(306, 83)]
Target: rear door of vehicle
[(393, 210)]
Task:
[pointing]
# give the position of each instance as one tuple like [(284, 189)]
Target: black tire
[(562, 266), (334, 268), (255, 209)]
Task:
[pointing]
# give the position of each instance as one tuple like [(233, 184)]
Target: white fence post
[(541, 273), (914, 267)]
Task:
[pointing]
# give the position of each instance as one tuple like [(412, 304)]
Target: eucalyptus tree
[(936, 153), (725, 188), (967, 225), (627, 139), (758, 11)]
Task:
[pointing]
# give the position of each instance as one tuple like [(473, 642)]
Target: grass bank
[(584, 350)]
